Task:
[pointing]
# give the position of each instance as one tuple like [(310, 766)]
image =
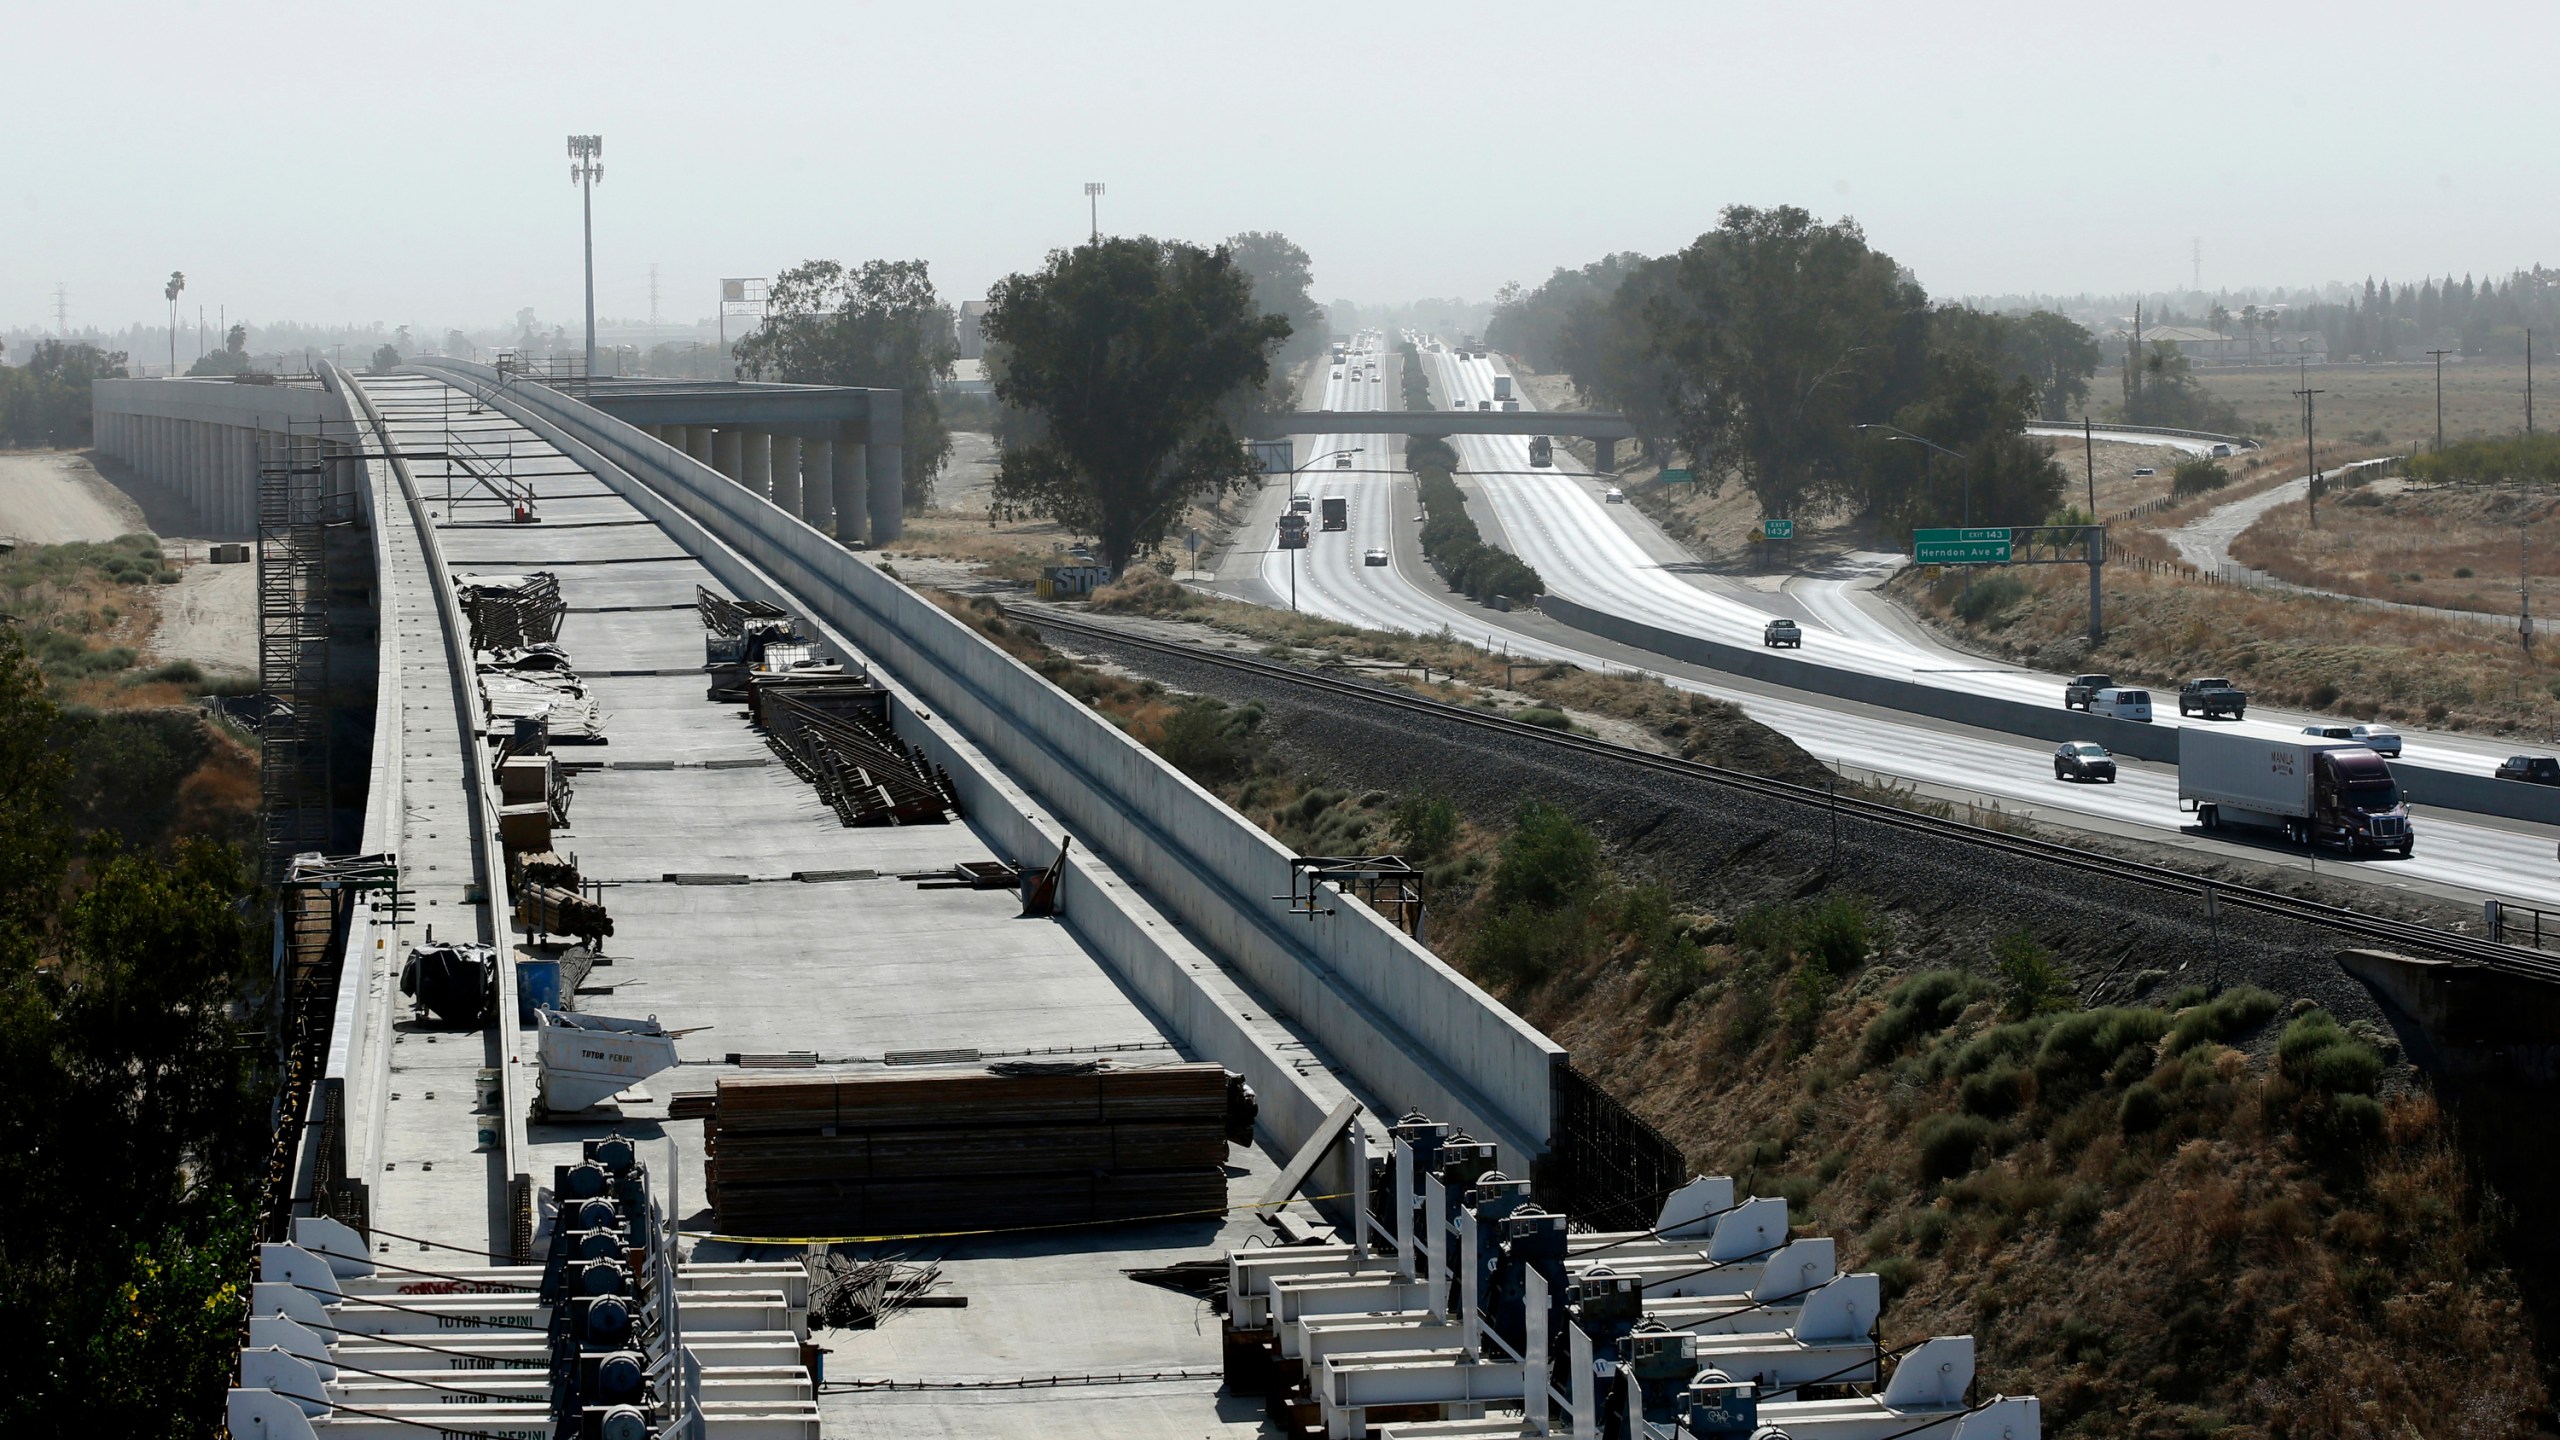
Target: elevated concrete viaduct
[(202, 440)]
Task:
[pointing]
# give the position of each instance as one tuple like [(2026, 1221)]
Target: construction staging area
[(758, 1006)]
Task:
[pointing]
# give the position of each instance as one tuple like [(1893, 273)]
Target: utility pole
[(2197, 244), (2089, 451), (1093, 201), (2310, 445), (653, 294), (2528, 382), (2439, 354), (199, 332), (586, 167), (2524, 588)]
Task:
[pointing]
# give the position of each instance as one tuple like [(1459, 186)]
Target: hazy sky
[(406, 164)]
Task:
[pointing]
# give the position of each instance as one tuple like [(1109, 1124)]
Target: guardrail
[(2422, 784), (2073, 427)]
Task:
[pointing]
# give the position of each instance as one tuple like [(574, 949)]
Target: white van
[(2122, 704)]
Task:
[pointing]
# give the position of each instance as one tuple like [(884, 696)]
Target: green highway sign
[(1676, 474), (1980, 545), (1778, 529)]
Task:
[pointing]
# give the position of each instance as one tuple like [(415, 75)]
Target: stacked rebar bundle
[(724, 616), (836, 737), (509, 612)]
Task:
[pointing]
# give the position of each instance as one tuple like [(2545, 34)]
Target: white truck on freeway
[(2316, 790)]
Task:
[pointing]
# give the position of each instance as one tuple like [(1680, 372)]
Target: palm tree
[(177, 282), (2249, 327)]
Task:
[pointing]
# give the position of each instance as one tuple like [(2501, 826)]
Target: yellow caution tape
[(718, 1238)]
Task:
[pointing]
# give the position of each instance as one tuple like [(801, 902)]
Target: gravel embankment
[(1725, 850)]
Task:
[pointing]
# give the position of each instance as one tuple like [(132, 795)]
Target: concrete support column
[(818, 486), (244, 470), (755, 467), (1607, 457), (887, 449), (852, 487), (199, 478), (697, 442), (786, 473), (726, 452)]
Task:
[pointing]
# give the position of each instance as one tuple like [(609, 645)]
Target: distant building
[(973, 343), (968, 377)]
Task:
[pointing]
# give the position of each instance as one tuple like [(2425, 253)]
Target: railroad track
[(2379, 930)]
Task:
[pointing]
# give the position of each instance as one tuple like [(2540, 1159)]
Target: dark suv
[(2211, 695), (2532, 769), (2077, 694)]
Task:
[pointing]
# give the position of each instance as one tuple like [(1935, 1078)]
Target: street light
[(586, 168), (1093, 201), (1293, 495), (1897, 433)]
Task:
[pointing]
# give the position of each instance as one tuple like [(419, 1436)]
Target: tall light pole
[(586, 167), (1093, 201), (177, 283), (2439, 354), (1962, 465)]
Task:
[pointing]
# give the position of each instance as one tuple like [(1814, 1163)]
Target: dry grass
[(2289, 649), (2388, 407), (2451, 546)]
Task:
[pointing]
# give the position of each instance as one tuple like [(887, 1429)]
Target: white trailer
[(2314, 790)]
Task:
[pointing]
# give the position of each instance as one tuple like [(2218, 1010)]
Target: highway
[(1558, 521)]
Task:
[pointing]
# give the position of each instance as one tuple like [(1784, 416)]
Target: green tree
[(46, 401), (1607, 347), (1126, 355), (880, 326), (1281, 274), (1966, 406), (386, 359), (231, 359), (1531, 323), (1782, 332), (131, 1109), (2050, 352), (2163, 390)]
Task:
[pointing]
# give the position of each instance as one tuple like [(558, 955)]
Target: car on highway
[(2380, 739), (1484, 404), (1373, 557), (2076, 695), (1615, 496), (1337, 374), (2211, 695), (2531, 769), (2083, 760), (2122, 703), (2142, 471), (1301, 504), (1782, 631), (1341, 462), (2221, 452)]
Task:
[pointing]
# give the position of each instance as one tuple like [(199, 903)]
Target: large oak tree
[(1127, 355)]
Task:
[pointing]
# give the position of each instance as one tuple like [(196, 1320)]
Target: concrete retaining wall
[(1410, 1029), (2423, 784)]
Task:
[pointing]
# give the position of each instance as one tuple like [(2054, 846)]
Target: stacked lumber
[(894, 1154), (836, 735)]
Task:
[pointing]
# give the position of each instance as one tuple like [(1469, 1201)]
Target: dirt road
[(49, 497)]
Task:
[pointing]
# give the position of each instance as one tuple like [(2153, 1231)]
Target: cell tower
[(62, 309), (2196, 248), (653, 294)]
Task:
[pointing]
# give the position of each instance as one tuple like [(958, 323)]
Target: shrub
[(1544, 715), (2224, 1018), (1988, 598), (1548, 860), (1895, 1275), (2000, 1042), (2030, 982), (1837, 934), (2143, 1109), (1996, 1093), (1952, 1145), (1767, 930), (1923, 1004), (173, 672), (1808, 996), (2081, 1050), (1427, 823), (2197, 477), (1524, 945), (1674, 974), (2321, 1057)]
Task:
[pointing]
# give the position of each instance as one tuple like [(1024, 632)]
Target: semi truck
[(1337, 512), (1501, 387), (2316, 791)]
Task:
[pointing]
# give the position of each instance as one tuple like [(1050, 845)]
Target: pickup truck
[(2077, 694), (2211, 695), (1782, 632)]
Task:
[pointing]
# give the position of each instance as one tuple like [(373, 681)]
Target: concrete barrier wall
[(201, 440), (2422, 784), (1409, 1028)]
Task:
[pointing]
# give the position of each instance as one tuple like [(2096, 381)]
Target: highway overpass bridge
[(1603, 430)]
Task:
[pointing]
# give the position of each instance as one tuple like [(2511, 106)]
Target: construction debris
[(454, 981), (507, 612), (846, 1293), (536, 682), (835, 734), (846, 1153), (561, 910)]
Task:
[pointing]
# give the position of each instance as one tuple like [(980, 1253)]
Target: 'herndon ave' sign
[(1980, 545)]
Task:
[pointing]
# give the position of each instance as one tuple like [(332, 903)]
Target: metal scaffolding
[(294, 511)]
